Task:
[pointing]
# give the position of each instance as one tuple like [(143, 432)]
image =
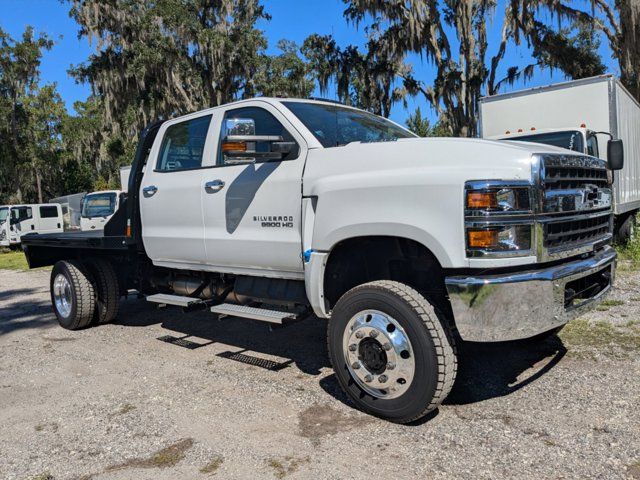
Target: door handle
[(214, 186), (149, 191)]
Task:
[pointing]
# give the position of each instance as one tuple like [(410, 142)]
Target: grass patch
[(212, 467), (43, 476), (629, 254), (286, 466), (611, 303), (164, 458), (582, 337), (13, 260)]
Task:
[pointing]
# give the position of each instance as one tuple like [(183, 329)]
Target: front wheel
[(390, 351)]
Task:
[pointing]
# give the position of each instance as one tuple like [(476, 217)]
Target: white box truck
[(19, 220), (581, 115)]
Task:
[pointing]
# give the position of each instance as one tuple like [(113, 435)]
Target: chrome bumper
[(491, 308)]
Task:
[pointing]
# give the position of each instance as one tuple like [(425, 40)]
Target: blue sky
[(291, 19)]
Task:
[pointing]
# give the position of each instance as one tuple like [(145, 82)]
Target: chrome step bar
[(262, 314), (225, 309), (177, 300)]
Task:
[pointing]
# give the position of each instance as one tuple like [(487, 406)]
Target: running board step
[(166, 299), (262, 314)]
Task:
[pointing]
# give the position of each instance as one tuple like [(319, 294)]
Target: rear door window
[(48, 212)]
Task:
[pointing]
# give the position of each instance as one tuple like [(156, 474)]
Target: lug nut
[(368, 378), (359, 334), (373, 333), (355, 365), (382, 378), (391, 366), (387, 346), (353, 347)]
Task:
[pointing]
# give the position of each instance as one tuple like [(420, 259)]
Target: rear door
[(252, 211), (170, 192), (50, 218)]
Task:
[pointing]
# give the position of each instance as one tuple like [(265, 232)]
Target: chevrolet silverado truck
[(273, 209)]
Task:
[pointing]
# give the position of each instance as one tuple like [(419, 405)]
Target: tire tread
[(440, 331)]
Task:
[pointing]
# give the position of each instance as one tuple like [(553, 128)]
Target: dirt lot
[(119, 402)]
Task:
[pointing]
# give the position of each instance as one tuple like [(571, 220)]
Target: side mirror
[(615, 154)]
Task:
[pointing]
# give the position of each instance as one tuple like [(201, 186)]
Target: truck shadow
[(489, 370), (303, 344), (485, 370), (20, 313)]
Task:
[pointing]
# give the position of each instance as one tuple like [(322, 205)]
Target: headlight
[(499, 218), (512, 238), (483, 198)]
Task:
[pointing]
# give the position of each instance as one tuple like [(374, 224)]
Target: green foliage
[(422, 127), (364, 80), (574, 51)]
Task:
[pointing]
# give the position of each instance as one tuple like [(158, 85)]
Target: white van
[(98, 208), (18, 220)]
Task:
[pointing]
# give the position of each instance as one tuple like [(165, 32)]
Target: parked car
[(271, 209), (583, 116), (98, 208), (19, 220)]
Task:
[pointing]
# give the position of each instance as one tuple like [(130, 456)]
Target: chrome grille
[(575, 205), (567, 177), (567, 233)]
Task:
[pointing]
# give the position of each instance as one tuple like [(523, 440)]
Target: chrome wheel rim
[(378, 354), (62, 296)]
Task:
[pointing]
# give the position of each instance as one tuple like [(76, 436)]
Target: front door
[(170, 193), (252, 205)]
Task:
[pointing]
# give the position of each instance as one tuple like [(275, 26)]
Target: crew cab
[(272, 209), (19, 220)]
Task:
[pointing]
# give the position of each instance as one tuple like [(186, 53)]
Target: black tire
[(432, 343), (81, 295), (625, 231), (107, 290)]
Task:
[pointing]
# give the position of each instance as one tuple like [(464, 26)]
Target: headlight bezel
[(512, 211)]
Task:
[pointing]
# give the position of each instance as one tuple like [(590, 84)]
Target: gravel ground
[(117, 402)]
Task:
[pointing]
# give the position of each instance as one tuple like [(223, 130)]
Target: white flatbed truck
[(271, 209)]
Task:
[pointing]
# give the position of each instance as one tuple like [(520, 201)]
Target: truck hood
[(425, 159), (411, 188)]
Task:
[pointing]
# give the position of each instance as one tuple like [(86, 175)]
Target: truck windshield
[(571, 140), (4, 213), (99, 205), (334, 126)]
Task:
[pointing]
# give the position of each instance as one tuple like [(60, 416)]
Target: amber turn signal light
[(482, 200), (234, 147), (482, 238)]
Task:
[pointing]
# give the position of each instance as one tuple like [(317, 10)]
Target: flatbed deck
[(93, 239)]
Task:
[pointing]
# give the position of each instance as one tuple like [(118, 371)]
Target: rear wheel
[(72, 294), (107, 290), (626, 229), (390, 351)]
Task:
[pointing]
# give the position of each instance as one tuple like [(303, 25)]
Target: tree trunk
[(629, 45), (39, 185)]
